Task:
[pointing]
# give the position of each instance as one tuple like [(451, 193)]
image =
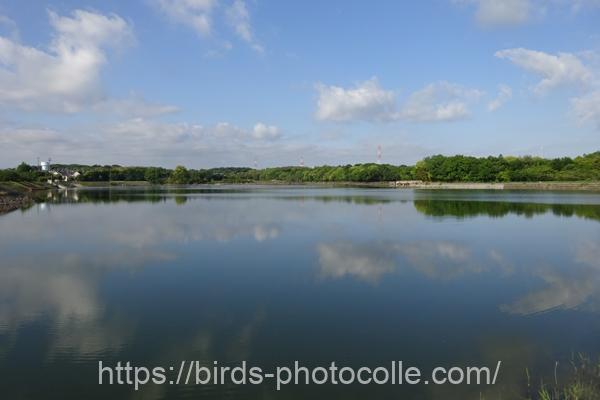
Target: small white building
[(45, 166)]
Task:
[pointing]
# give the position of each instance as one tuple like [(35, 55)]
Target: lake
[(270, 275)]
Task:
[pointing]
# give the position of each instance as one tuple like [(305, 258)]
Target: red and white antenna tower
[(378, 154), (302, 161)]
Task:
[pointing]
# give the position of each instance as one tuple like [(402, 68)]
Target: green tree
[(422, 171), (180, 175), (153, 175), (24, 168)]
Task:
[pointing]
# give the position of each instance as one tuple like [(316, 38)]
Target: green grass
[(582, 383), (19, 188)]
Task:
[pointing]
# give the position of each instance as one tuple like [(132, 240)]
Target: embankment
[(591, 186), (16, 195)]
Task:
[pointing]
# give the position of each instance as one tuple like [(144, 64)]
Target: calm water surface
[(272, 275)]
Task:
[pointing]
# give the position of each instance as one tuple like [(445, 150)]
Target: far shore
[(587, 186), (568, 186)]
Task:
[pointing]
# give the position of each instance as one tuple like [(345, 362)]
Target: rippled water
[(276, 274)]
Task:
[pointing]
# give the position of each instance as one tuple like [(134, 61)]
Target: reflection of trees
[(345, 199), (161, 194), (180, 200), (465, 209), (149, 195), (431, 207)]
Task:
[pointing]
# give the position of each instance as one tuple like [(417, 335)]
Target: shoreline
[(543, 186), (19, 195), (586, 186)]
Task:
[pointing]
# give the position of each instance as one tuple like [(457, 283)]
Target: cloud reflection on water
[(564, 289), (371, 261), (442, 260)]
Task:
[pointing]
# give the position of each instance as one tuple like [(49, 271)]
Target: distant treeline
[(435, 168), (508, 169), (23, 173)]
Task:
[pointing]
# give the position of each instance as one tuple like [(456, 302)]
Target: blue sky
[(261, 82)]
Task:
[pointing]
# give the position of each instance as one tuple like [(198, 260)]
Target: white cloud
[(238, 18), (157, 133), (504, 94), (562, 70), (66, 76), (556, 70), (29, 136), (577, 5), (263, 131), (366, 101), (227, 130), (189, 135), (441, 101), (201, 16), (501, 13), (195, 14), (133, 106), (141, 140), (144, 141), (587, 108), (436, 102)]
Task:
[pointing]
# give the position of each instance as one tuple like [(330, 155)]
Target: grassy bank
[(20, 188)]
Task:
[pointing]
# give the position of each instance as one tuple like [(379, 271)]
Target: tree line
[(508, 169), (436, 168)]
